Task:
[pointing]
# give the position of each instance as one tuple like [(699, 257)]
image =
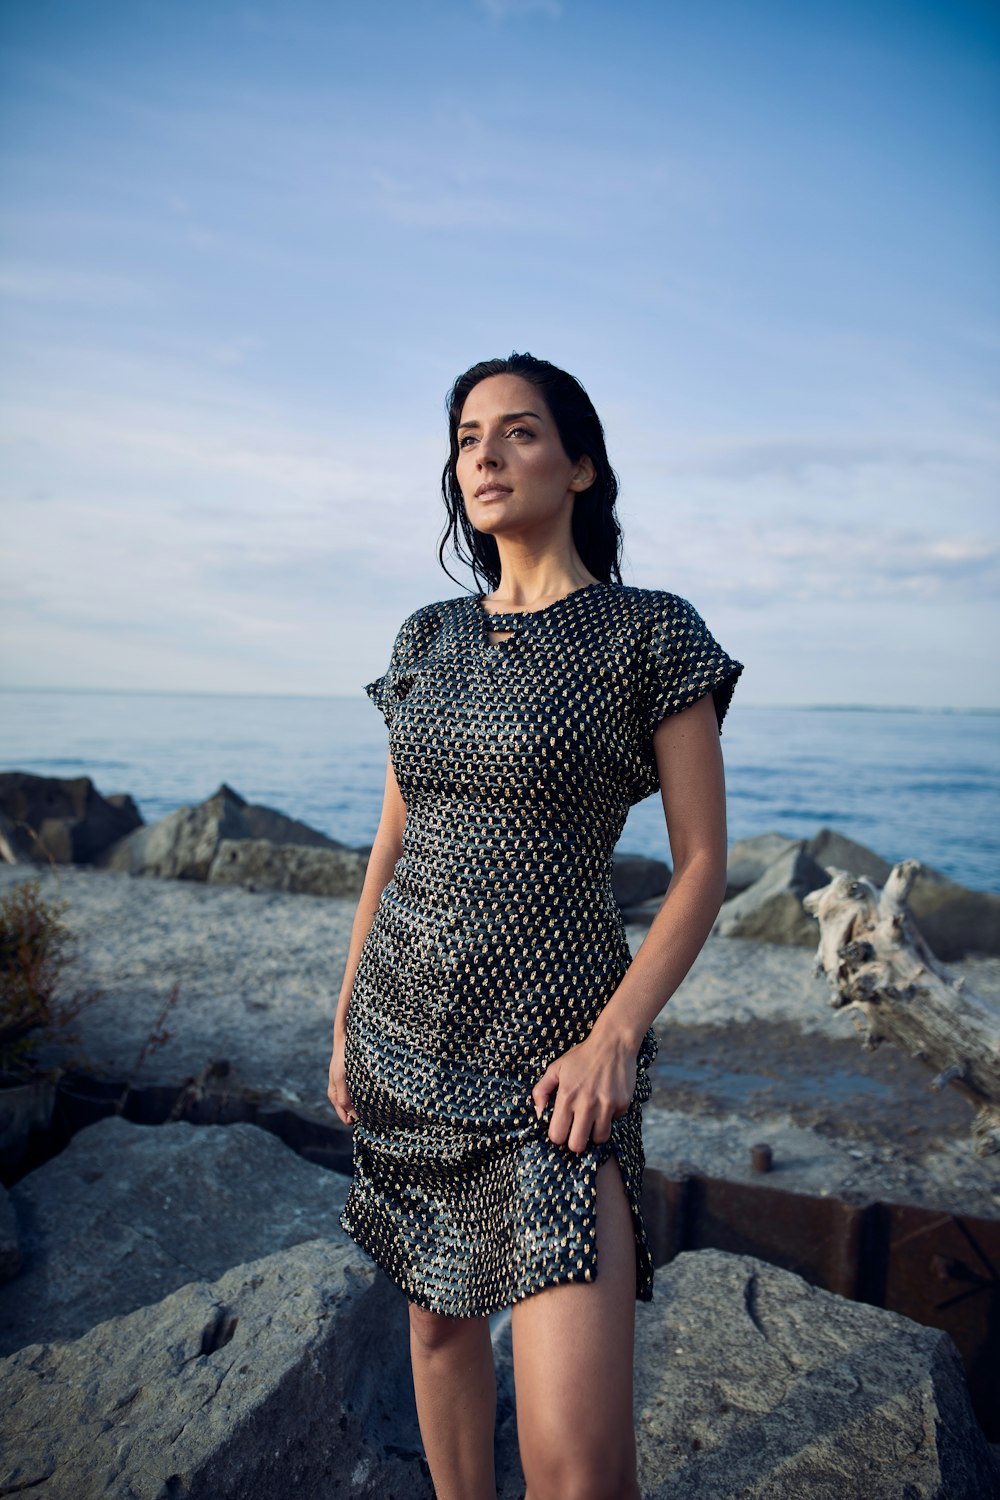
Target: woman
[(493, 1032)]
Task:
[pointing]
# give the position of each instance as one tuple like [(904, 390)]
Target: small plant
[(157, 1037), (35, 948)]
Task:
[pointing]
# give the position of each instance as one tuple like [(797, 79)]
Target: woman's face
[(511, 467)]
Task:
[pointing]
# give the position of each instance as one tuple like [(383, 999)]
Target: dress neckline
[(522, 614), (523, 623)]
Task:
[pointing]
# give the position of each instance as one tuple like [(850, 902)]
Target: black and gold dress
[(498, 941)]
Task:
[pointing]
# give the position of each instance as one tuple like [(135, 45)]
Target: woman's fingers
[(337, 1091), (601, 1131), (592, 1088)]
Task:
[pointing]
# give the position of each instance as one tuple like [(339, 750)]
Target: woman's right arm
[(385, 852)]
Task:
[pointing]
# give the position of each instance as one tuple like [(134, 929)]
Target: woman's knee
[(433, 1330), (574, 1478)]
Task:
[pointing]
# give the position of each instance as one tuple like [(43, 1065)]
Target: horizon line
[(902, 708)]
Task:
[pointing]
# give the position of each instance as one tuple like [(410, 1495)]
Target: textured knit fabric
[(498, 941)]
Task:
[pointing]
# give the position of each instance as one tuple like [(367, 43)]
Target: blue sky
[(245, 249)]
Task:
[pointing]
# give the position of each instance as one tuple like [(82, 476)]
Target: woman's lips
[(495, 492)]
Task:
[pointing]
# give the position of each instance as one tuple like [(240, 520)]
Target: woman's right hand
[(337, 1090)]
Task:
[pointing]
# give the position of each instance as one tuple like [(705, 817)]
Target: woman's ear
[(584, 474)]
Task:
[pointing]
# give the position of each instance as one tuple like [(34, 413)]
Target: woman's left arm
[(595, 1080)]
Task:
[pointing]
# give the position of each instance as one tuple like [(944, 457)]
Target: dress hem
[(587, 1272)]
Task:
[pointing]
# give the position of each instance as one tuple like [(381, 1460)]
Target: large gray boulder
[(62, 819), (127, 1213), (750, 1382), (749, 858), (288, 1376), (834, 850), (955, 920), (262, 866), (771, 909), (183, 845)]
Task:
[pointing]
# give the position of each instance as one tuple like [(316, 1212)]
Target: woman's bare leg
[(574, 1351), (455, 1385)]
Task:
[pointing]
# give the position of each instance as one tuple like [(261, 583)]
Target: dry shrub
[(36, 948)]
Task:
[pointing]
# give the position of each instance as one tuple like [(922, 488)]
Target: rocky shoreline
[(192, 1244)]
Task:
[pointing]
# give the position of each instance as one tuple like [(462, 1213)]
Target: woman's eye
[(526, 430), (466, 439)]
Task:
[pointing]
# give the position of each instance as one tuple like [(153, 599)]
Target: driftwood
[(878, 962)]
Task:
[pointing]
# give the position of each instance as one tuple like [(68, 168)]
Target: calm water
[(909, 783)]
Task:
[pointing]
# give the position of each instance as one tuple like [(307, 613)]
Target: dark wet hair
[(596, 532)]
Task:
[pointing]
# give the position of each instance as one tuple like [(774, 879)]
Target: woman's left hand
[(594, 1083)]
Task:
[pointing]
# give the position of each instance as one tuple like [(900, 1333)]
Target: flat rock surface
[(127, 1213), (750, 1048)]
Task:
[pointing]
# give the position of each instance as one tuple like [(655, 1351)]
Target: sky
[(245, 249)]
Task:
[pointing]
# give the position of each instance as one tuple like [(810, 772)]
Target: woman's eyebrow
[(510, 416)]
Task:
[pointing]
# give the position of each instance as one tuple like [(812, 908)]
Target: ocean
[(907, 783)]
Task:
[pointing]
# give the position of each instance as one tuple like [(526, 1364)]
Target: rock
[(771, 909), (955, 920), (26, 1105), (750, 1382), (277, 828), (65, 820), (263, 866), (749, 858), (635, 879), (183, 845), (834, 851), (286, 1376), (126, 803), (10, 1240), (127, 1213)]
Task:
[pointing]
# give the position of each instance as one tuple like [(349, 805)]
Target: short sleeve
[(683, 662), (388, 691)]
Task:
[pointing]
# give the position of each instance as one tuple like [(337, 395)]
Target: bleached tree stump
[(878, 963)]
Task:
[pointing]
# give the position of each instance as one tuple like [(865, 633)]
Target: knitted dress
[(498, 941)]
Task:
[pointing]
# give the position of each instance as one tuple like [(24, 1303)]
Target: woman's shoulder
[(652, 606)]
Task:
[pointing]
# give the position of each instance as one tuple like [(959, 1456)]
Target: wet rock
[(129, 1212), (286, 1376), (262, 866)]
